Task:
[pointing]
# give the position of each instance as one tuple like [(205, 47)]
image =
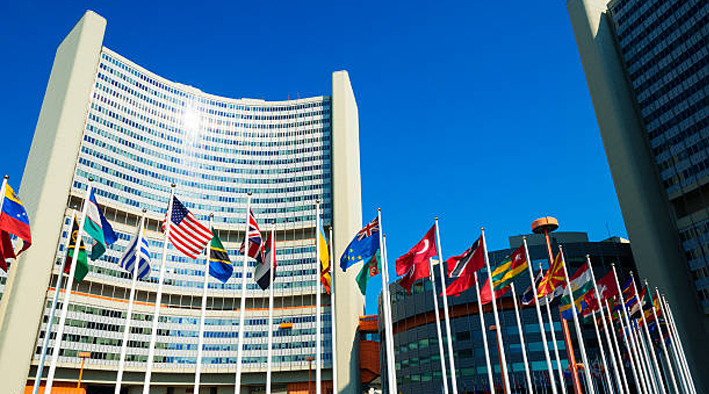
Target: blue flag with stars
[(364, 245)]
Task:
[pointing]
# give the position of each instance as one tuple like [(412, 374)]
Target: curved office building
[(138, 134)]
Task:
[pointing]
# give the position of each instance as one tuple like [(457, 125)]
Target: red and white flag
[(463, 268), (607, 288), (414, 264), (187, 234)]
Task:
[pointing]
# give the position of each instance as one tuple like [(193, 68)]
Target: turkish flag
[(414, 264)]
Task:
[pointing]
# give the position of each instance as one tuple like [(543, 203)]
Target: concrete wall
[(651, 228), (54, 148), (347, 221)]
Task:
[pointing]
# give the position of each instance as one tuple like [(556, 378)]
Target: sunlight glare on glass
[(191, 120)]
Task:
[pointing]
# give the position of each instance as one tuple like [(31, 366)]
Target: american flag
[(254, 238), (187, 234)]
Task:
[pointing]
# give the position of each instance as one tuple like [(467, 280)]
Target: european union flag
[(364, 245)]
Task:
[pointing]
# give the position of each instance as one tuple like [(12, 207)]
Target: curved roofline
[(196, 91)]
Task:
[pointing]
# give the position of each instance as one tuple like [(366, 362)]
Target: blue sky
[(476, 112)]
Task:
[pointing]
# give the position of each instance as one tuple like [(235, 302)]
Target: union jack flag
[(187, 234), (254, 238)]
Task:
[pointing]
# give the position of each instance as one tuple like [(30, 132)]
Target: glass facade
[(143, 133), (418, 367), (664, 46)]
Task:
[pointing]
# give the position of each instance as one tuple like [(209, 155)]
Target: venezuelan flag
[(14, 219)]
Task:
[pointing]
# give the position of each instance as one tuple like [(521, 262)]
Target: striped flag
[(581, 284), (254, 238), (504, 274), (142, 254), (262, 272), (187, 234)]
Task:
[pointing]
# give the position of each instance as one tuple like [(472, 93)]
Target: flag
[(141, 253), (464, 268), (82, 264), (363, 246), (503, 275), (187, 234), (607, 289), (528, 296), (13, 220), (553, 278), (97, 227), (474, 256), (368, 270), (414, 264), (324, 263), (640, 301), (262, 272), (581, 284), (7, 250), (220, 266), (631, 302), (254, 238)]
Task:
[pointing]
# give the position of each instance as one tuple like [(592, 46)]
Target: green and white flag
[(370, 269), (97, 227)]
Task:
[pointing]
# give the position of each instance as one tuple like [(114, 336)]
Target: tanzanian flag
[(220, 266), (82, 263), (504, 274)]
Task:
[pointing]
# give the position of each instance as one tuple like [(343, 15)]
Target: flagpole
[(333, 315), (542, 331), (269, 352), (648, 339), (200, 342), (605, 330), (662, 343), (432, 276), (629, 342), (446, 313), (318, 304), (645, 358), (683, 356), (634, 357), (483, 330), (606, 371), (560, 370), (618, 355), (521, 337), (671, 372), (242, 307), (389, 322), (55, 298), (503, 359), (386, 305), (131, 302), (158, 296), (579, 335), (678, 361), (67, 292)]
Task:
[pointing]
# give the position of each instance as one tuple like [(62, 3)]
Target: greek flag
[(129, 257)]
